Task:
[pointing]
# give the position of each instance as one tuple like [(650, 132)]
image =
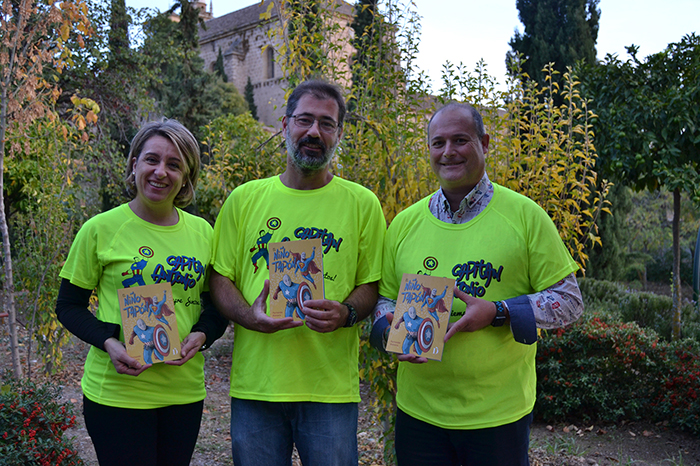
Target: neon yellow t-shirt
[(512, 248), (298, 364), (117, 249)]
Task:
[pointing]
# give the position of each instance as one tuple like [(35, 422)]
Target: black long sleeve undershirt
[(72, 311)]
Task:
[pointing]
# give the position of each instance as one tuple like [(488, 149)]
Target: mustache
[(312, 140)]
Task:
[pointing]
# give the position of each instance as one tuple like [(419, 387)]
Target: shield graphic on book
[(303, 293), (425, 334), (161, 340)]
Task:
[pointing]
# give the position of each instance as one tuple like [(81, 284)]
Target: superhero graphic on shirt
[(136, 271), (260, 249)]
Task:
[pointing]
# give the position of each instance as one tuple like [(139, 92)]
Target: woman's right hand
[(123, 363)]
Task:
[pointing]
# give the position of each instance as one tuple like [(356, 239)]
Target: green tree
[(648, 127), (54, 172), (363, 24), (117, 79), (250, 98), (181, 86), (107, 70), (612, 259), (556, 31), (119, 32), (219, 67)]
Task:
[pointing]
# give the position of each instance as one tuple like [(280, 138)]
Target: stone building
[(248, 52)]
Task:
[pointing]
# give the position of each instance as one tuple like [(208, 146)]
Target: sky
[(465, 31)]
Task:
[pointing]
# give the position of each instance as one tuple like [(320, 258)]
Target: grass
[(559, 444)]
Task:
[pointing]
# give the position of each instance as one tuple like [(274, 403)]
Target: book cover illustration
[(149, 323), (296, 275), (422, 312)]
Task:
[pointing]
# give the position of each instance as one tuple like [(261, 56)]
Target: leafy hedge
[(648, 310), (603, 370)]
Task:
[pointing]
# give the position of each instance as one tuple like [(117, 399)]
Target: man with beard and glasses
[(297, 383)]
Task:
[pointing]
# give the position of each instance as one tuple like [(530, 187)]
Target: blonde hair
[(186, 146)]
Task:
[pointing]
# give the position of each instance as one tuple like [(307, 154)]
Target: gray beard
[(305, 163)]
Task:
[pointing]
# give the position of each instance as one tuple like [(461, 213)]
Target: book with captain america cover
[(422, 313), (149, 323), (296, 275)]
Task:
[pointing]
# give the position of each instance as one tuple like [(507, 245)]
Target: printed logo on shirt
[(328, 239), (474, 277), (183, 270), (430, 263)]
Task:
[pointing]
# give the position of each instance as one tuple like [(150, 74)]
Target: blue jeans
[(263, 433), (421, 444)]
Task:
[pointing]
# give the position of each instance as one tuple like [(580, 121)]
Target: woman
[(144, 414)]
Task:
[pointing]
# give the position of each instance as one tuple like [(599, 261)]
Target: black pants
[(421, 444), (143, 437)]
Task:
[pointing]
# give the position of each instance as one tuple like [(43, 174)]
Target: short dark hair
[(476, 117), (187, 147), (320, 90)]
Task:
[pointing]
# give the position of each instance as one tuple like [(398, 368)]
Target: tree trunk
[(9, 284), (677, 304)]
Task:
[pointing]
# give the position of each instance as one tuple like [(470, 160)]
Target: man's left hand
[(479, 314), (324, 315)]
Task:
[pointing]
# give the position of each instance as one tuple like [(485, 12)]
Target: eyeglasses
[(307, 121)]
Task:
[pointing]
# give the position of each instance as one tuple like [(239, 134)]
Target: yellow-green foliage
[(46, 210), (309, 42), (539, 149), (237, 149), (550, 157)]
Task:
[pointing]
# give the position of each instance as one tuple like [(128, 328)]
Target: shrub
[(599, 292), (595, 370), (603, 370), (648, 310), (678, 397), (32, 425)]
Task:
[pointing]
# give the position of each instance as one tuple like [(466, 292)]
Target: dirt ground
[(558, 445)]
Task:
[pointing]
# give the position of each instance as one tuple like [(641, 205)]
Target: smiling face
[(457, 154), (159, 173), (310, 149)]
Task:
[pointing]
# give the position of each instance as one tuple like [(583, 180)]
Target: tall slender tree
[(558, 31), (118, 31), (363, 25), (219, 67), (250, 99)]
